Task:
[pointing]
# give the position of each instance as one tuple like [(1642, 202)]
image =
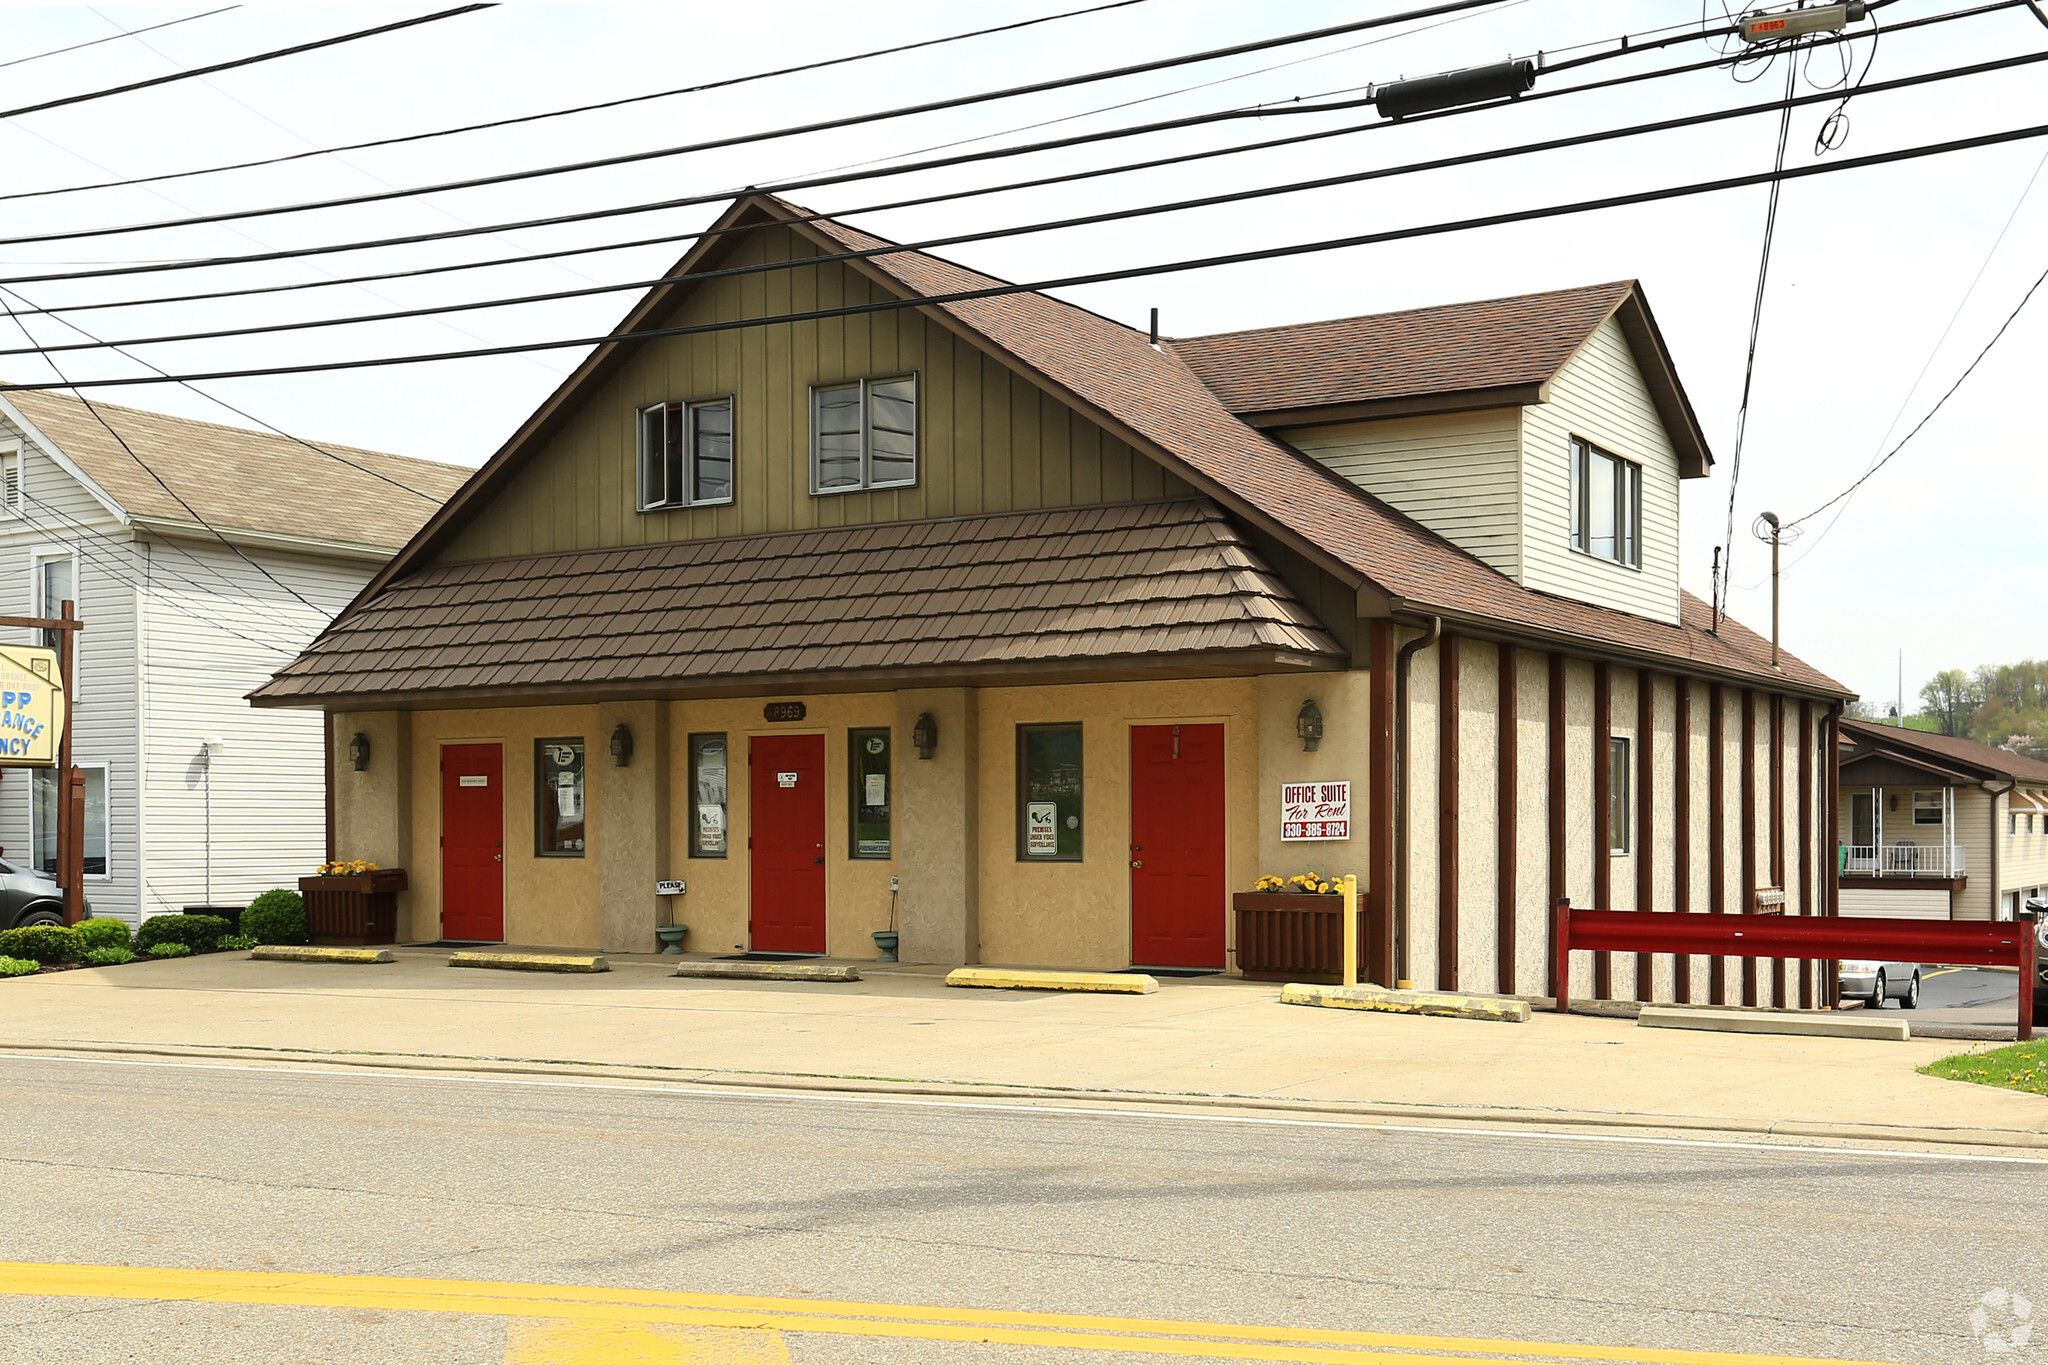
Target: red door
[(473, 842), (1177, 891), (787, 842)]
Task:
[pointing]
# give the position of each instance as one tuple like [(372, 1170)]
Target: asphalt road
[(277, 1177), (1969, 1000)]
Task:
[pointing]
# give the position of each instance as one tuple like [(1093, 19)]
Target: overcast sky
[(1940, 555)]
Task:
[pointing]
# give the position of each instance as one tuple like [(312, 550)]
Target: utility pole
[(1771, 519)]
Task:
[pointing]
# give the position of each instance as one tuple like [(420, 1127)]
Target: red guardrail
[(1978, 943)]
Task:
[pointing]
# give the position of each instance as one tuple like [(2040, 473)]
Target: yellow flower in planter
[(354, 868)]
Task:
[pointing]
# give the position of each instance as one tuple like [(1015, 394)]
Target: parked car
[(28, 897), (1881, 981)]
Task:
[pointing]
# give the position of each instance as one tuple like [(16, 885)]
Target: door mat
[(1170, 971), (768, 957), (459, 943)]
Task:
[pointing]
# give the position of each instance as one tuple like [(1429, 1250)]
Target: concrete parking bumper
[(768, 971), (1378, 998), (299, 953), (1006, 979), (1768, 1021), (530, 962)]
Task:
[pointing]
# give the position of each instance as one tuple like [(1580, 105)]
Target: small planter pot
[(671, 936), (885, 939)]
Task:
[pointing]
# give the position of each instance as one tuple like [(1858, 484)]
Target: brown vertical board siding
[(989, 439), (1603, 814), (1379, 948), (1777, 790), (1447, 666), (1681, 826), (1507, 818), (1806, 814), (1646, 814), (1746, 891), (1717, 832), (1831, 881), (327, 765), (1560, 886)]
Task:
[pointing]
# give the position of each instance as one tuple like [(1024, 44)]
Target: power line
[(1104, 276), (114, 37), (253, 60), (222, 402), (1968, 370), (1756, 320), (785, 186), (556, 113), (740, 139), (1108, 216), (142, 464)]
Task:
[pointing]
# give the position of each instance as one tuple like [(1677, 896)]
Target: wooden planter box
[(354, 911), (1283, 936)]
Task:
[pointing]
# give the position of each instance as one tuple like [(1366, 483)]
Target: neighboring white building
[(192, 797)]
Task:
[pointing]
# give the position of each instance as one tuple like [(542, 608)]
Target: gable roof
[(1949, 752), (1075, 593), (1154, 400), (1495, 352), (254, 482)]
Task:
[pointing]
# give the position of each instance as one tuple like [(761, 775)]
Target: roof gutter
[(1430, 636)]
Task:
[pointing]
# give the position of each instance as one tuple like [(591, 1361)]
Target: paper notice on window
[(875, 790), (1041, 829), (568, 797)]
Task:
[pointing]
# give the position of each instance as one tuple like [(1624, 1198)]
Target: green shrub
[(171, 949), (45, 943), (102, 933), (107, 957), (14, 966), (198, 933), (238, 943), (277, 917)]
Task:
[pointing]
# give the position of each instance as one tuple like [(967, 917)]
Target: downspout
[(1997, 889), (1401, 658)]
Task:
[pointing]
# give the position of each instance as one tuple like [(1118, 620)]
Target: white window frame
[(687, 468), (1628, 504), (46, 554), (11, 463), (106, 771), (867, 480), (1939, 806)]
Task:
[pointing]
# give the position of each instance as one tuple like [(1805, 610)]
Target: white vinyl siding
[(1599, 397), (1892, 903), (1456, 473)]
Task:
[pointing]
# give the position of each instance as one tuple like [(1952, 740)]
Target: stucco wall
[(1078, 913)]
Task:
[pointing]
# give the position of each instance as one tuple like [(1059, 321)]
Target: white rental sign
[(1315, 810)]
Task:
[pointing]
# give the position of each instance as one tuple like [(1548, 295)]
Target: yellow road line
[(555, 1342), (1069, 1331)]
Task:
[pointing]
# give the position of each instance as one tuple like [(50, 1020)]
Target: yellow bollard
[(1349, 889)]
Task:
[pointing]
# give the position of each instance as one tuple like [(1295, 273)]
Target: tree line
[(2001, 704)]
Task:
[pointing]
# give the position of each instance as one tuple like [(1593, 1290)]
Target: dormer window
[(685, 454), (1607, 505), (864, 435)]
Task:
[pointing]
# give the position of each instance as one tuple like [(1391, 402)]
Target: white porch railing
[(1905, 860)]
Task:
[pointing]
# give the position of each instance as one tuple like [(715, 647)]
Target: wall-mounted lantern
[(359, 751), (1309, 725), (925, 735), (1892, 801), (622, 745)]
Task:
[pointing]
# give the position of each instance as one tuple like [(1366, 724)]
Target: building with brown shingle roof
[(191, 797), (864, 590)]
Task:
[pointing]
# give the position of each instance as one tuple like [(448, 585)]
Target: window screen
[(1049, 793)]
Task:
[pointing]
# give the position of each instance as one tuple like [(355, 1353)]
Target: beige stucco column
[(1341, 756), (936, 829), (632, 824), (373, 808)]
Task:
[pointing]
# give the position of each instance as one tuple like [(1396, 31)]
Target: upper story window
[(685, 454), (1607, 505), (56, 582), (864, 435)]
